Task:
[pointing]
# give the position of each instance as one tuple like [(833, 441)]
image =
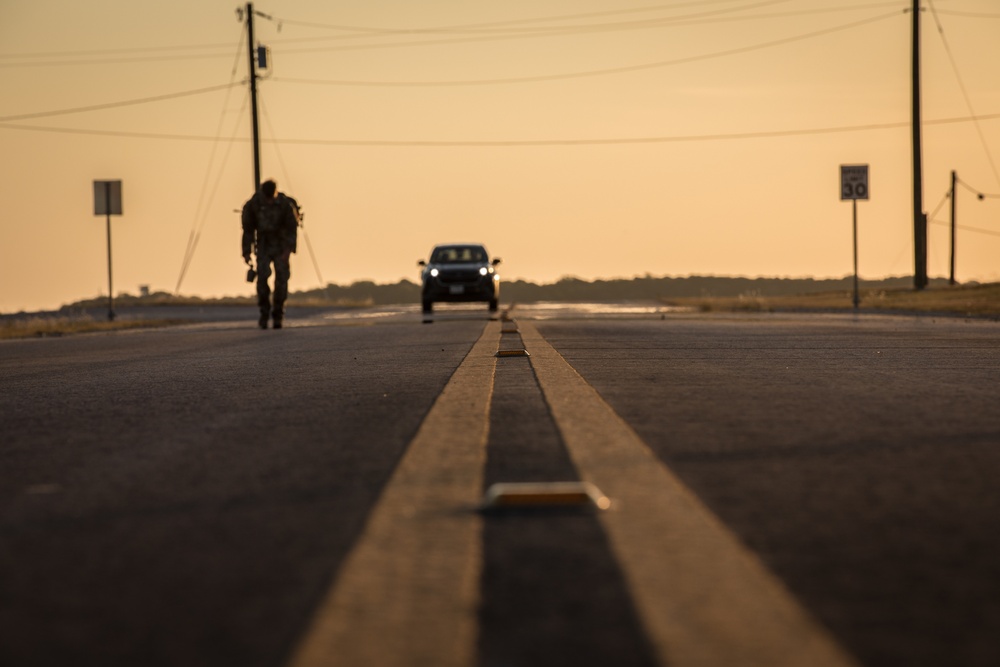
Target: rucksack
[(269, 216)]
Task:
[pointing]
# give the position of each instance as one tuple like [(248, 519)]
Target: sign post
[(108, 202), (854, 186)]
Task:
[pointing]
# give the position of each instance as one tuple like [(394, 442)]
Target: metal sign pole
[(857, 300), (108, 202), (107, 198), (854, 186)]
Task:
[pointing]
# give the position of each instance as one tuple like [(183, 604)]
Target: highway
[(785, 490)]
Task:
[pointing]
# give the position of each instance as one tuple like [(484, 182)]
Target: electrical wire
[(966, 228), (946, 197), (370, 31), (451, 83), (114, 52), (99, 56), (549, 33), (969, 15), (978, 230), (978, 193), (202, 208), (116, 105), (196, 232), (656, 22), (108, 133), (112, 61), (965, 92), (284, 170), (600, 72), (772, 134)]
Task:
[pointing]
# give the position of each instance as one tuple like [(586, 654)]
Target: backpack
[(269, 216)]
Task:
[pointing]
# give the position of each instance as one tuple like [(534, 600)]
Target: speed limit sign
[(853, 181)]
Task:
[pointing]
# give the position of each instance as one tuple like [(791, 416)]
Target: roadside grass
[(34, 326), (300, 300), (959, 300)]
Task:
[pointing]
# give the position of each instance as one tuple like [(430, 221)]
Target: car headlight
[(483, 271), (434, 273)]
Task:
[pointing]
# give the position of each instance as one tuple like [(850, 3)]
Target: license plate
[(456, 289)]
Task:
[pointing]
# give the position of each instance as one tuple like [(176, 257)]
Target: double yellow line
[(407, 593)]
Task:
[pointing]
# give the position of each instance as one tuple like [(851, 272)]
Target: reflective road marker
[(704, 598), (407, 593), (547, 495), (513, 353)]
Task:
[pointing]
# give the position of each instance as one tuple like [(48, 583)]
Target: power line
[(600, 72), (374, 31), (113, 52), (195, 235), (970, 15), (965, 93), (201, 213), (978, 230), (113, 61), (548, 33), (978, 193), (288, 180), (115, 105), (555, 30), (937, 208), (98, 56), (591, 73), (772, 134)]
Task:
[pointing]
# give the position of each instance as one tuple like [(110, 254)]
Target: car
[(459, 272)]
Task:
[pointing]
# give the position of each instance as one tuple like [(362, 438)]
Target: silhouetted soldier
[(270, 224)]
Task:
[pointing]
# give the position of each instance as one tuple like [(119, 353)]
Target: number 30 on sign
[(853, 181)]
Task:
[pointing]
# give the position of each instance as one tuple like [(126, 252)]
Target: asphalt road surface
[(786, 490)]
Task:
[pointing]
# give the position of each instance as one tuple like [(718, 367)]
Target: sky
[(589, 138)]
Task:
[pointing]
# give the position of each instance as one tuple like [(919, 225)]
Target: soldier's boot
[(278, 315), (265, 313)]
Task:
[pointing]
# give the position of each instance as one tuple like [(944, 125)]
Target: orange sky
[(593, 138)]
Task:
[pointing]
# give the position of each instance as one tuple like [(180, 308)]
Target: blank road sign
[(853, 181)]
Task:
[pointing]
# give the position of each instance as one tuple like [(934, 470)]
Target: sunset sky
[(587, 138)]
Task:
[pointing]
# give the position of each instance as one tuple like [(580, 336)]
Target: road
[(786, 490)]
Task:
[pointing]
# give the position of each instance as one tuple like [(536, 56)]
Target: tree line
[(639, 288)]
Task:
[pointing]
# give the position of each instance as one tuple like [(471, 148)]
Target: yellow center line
[(407, 593), (704, 599)]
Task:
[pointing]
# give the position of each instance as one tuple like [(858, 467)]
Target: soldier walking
[(270, 227)]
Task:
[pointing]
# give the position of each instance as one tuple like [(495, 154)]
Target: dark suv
[(459, 272)]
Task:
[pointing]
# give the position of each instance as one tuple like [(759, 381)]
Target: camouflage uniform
[(271, 225)]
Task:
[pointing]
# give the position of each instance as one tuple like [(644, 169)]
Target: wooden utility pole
[(919, 217), (253, 98), (954, 182)]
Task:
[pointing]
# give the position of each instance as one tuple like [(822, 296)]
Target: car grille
[(470, 276)]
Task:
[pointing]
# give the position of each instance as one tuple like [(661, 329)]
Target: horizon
[(934, 282)]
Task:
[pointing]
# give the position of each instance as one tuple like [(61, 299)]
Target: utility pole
[(253, 98), (919, 217), (954, 182)]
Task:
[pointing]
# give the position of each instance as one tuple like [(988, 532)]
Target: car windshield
[(456, 254)]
